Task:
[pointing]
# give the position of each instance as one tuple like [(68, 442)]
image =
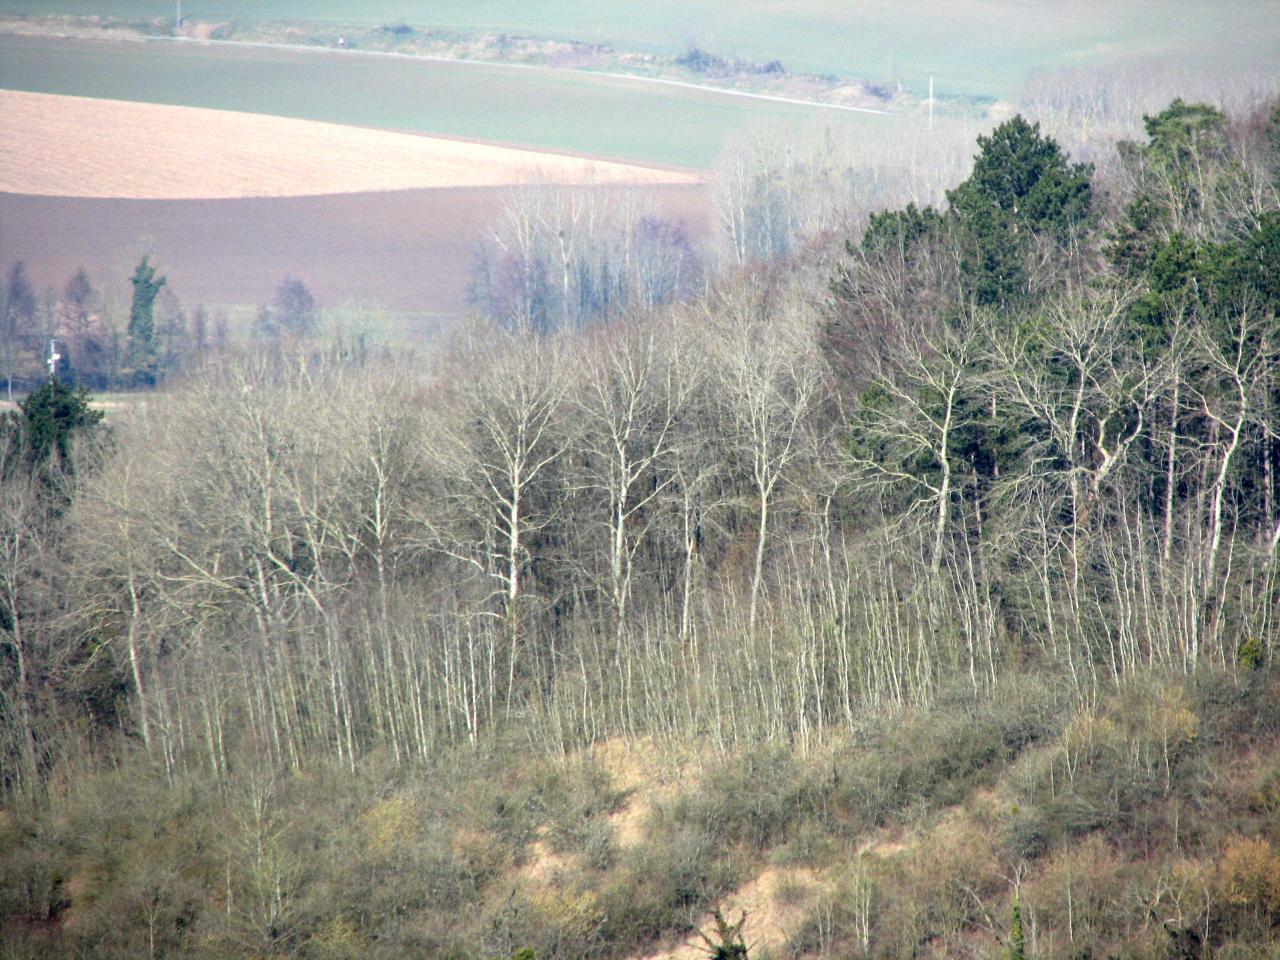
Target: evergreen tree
[(1176, 174), (143, 349), (1026, 178), (46, 421), (1022, 187), (900, 230)]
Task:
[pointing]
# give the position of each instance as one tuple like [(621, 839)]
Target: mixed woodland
[(928, 560)]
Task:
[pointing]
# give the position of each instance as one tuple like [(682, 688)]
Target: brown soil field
[(403, 250), (81, 147)]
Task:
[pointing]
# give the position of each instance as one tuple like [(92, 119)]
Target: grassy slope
[(532, 107), (1126, 827), (974, 46)]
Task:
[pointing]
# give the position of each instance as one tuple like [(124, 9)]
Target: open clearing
[(559, 110), (983, 47), (82, 147)]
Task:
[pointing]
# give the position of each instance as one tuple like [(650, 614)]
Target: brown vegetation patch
[(775, 904), (545, 866), (81, 147), (638, 768)]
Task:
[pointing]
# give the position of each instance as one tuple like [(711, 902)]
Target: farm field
[(402, 250), (533, 107), (84, 147), (108, 403), (976, 47)]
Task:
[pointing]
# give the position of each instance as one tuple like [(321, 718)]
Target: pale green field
[(555, 109), (974, 47), (108, 403)]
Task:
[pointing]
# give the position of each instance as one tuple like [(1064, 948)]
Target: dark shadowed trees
[(17, 326), (143, 352), (295, 307)]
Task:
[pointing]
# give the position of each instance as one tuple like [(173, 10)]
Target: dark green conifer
[(143, 349)]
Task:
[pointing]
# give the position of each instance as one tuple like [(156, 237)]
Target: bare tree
[(494, 440), (769, 385), (631, 401)]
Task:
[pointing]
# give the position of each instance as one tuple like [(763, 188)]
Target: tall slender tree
[(143, 351)]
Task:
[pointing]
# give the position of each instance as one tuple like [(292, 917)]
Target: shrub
[(1250, 653), (1249, 884)]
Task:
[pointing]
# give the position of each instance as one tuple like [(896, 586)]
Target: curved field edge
[(974, 47), (83, 147), (617, 118)]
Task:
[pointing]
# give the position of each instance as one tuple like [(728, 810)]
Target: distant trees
[(143, 350), (778, 190), (564, 259), (103, 349), (295, 307), (291, 316), (82, 328), (18, 336)]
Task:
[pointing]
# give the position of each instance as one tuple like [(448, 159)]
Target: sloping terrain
[(534, 107), (403, 249), (81, 147), (228, 203), (972, 46)]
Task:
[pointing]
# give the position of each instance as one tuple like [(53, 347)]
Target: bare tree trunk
[(27, 718), (135, 664), (757, 573), (1170, 476)]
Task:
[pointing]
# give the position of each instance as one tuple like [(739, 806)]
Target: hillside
[(912, 591), (81, 147), (233, 202), (613, 117), (986, 49)]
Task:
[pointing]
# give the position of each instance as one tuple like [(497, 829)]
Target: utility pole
[(54, 357), (931, 103)]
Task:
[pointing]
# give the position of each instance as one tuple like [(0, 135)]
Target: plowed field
[(405, 250), (81, 147)]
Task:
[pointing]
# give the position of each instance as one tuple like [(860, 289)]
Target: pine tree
[(1021, 187), (143, 350), (46, 420)]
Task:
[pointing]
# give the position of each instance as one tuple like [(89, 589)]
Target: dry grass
[(81, 147), (775, 904), (638, 767)]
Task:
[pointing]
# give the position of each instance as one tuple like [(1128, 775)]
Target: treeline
[(1008, 428), (103, 346), (1034, 431), (561, 260)]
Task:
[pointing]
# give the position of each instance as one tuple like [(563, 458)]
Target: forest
[(927, 564)]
